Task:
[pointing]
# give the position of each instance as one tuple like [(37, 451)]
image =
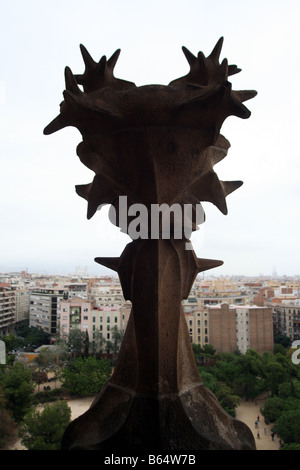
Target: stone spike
[(70, 97), (83, 190), (101, 66), (205, 264), (113, 60), (233, 69), (71, 84), (230, 186), (111, 263), (215, 54), (57, 124), (189, 56), (224, 69), (87, 58), (244, 95), (237, 107)]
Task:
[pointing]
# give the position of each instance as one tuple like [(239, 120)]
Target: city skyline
[(43, 222)]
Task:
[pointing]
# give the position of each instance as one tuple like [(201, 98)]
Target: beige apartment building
[(14, 307), (229, 328), (7, 308), (22, 305), (99, 322), (75, 314)]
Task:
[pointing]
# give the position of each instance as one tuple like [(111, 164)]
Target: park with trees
[(232, 377)]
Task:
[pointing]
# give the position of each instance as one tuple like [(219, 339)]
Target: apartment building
[(22, 306), (76, 289), (229, 328), (107, 318), (14, 307), (216, 297), (260, 328), (106, 292), (44, 310), (75, 314), (7, 308), (198, 326), (223, 335), (98, 322), (286, 319)]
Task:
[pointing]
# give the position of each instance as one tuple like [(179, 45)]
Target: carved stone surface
[(155, 145)]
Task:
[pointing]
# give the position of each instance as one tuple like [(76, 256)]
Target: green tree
[(227, 399), (39, 376), (44, 430), (287, 426), (7, 425), (114, 345), (86, 344), (85, 376), (279, 348), (209, 380), (18, 389), (10, 342), (76, 343), (273, 407), (284, 340), (292, 446), (208, 350), (98, 342), (31, 336)]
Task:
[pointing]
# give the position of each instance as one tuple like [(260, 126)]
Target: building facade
[(45, 308), (229, 328), (7, 308), (75, 314), (286, 319)]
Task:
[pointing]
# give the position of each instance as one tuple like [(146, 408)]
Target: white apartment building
[(45, 308)]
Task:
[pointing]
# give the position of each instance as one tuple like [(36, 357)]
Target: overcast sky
[(43, 222)]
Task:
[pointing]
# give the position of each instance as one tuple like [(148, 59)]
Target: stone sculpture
[(154, 145)]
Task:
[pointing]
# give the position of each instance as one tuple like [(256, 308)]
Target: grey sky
[(43, 222)]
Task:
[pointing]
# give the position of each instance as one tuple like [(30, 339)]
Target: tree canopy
[(18, 389), (43, 430), (86, 376)]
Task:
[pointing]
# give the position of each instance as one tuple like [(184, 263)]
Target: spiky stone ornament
[(154, 144)]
